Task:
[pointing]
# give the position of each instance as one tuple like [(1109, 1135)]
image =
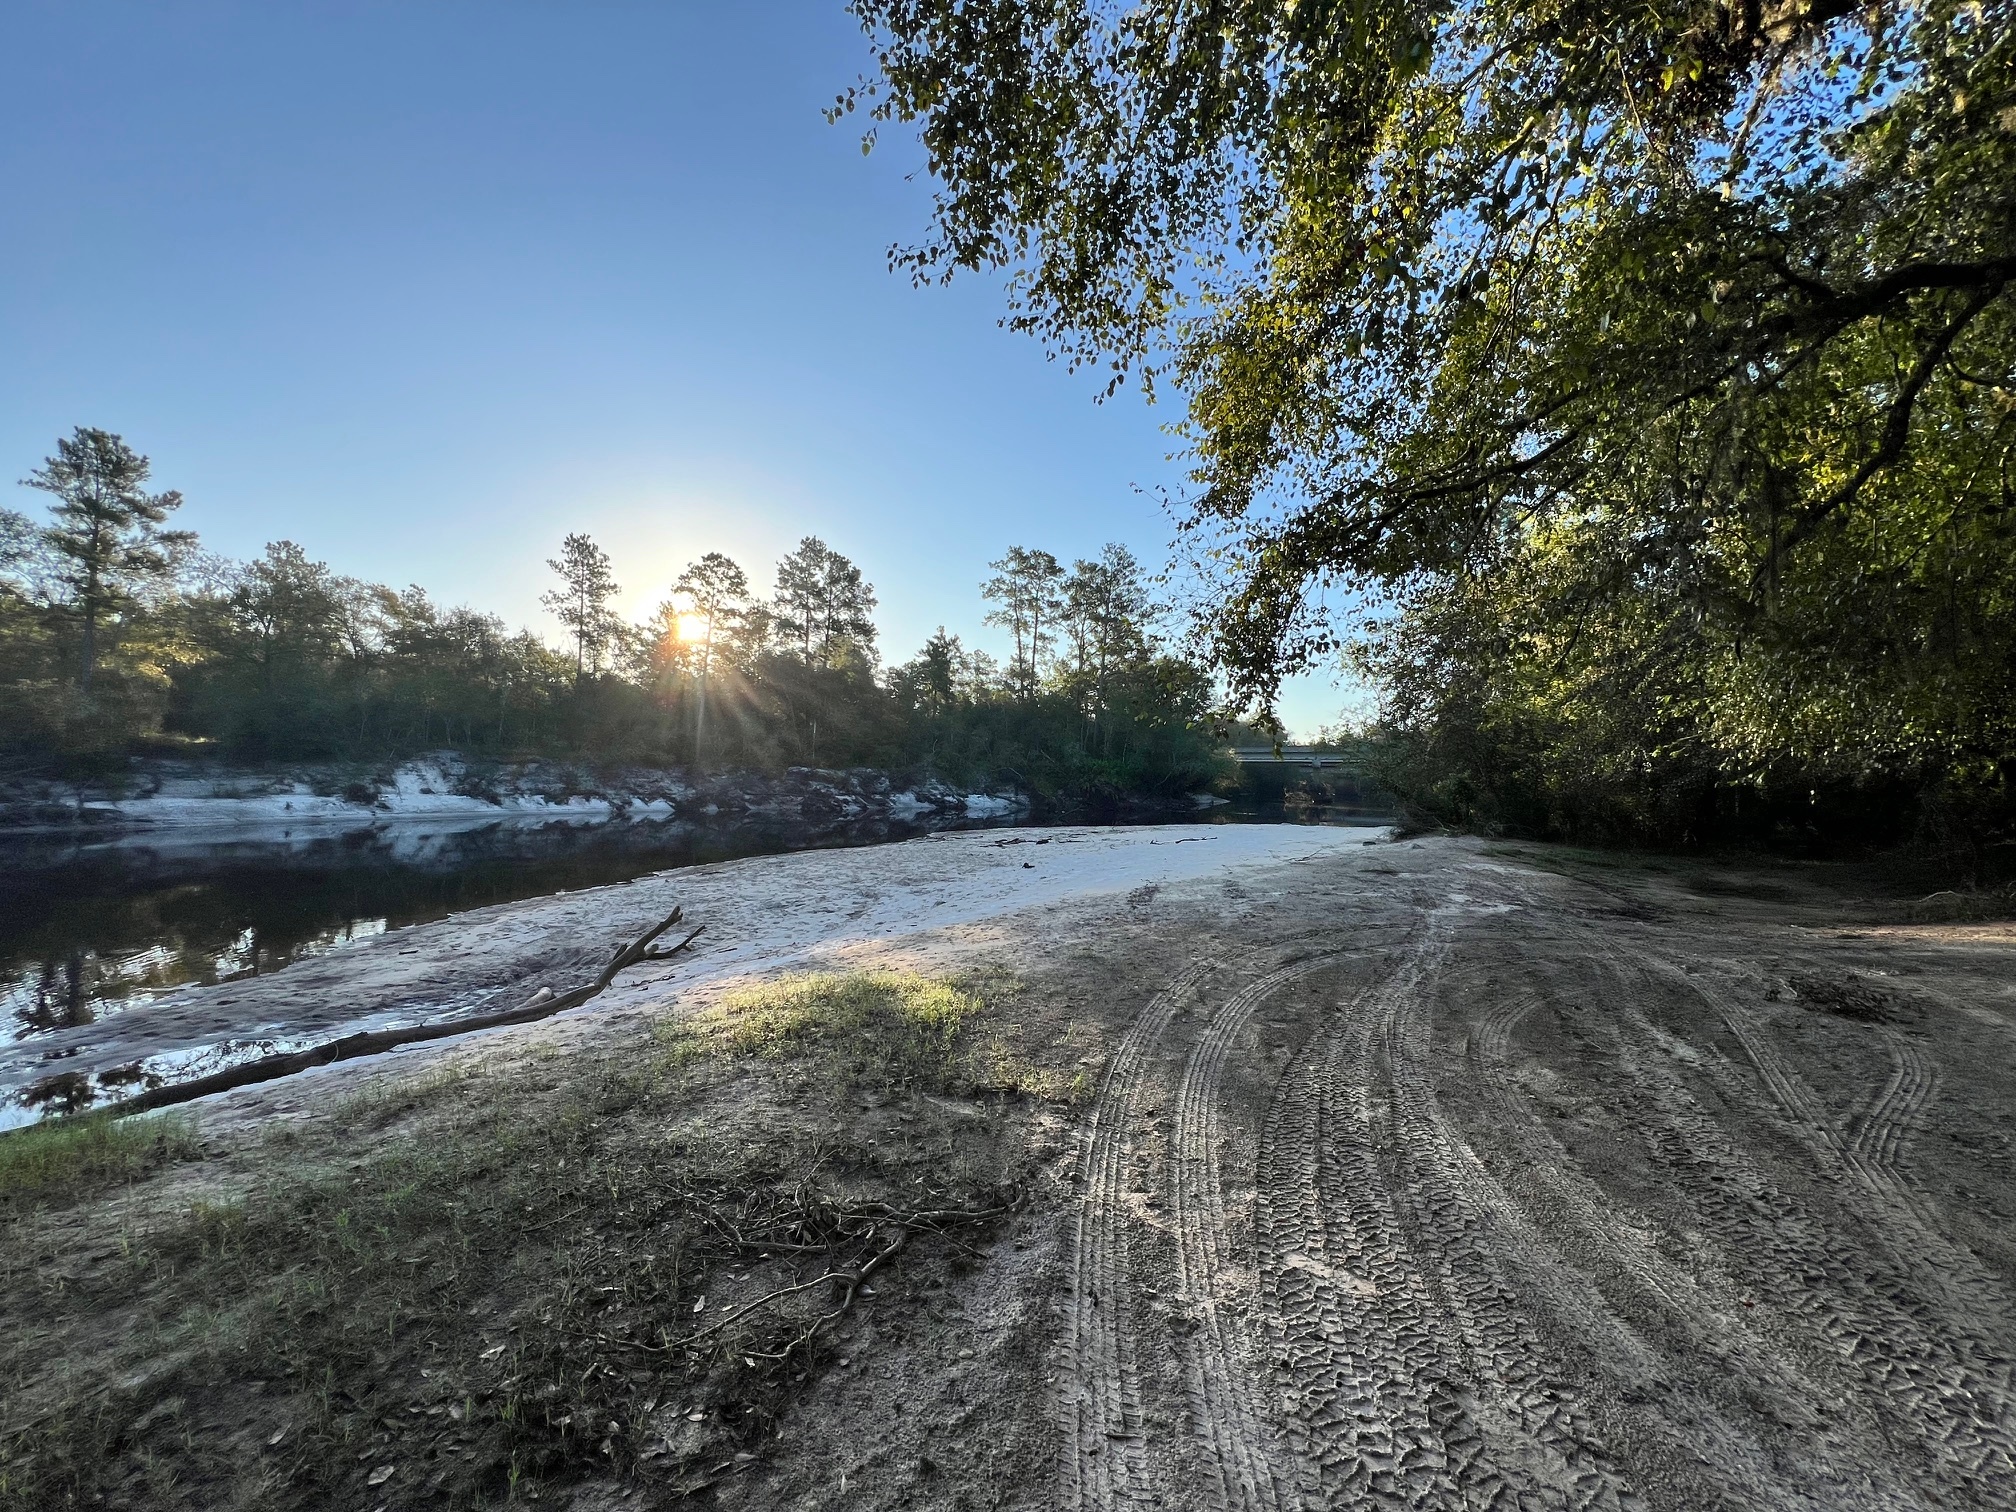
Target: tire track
[(1103, 1465), (1226, 1406), (1373, 1409), (1536, 1427), (1932, 1372), (1576, 1199), (1867, 1150), (1584, 1221), (1406, 1291), (1879, 1134), (1932, 1368), (1412, 1376)]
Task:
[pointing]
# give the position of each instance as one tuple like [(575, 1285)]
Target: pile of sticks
[(856, 1239)]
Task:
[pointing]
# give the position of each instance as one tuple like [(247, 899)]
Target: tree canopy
[(1638, 380), (825, 605), (581, 602)]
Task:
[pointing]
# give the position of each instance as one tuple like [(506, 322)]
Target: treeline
[(118, 633)]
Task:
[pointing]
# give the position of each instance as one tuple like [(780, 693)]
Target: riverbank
[(155, 795), (761, 913)]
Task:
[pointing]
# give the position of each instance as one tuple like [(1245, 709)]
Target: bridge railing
[(1297, 756)]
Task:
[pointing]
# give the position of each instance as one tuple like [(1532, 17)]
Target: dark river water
[(87, 930)]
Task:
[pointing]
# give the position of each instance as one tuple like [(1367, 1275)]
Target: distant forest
[(120, 634)]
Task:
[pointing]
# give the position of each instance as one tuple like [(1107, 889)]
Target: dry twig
[(858, 1223)]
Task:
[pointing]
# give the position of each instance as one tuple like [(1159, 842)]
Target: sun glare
[(692, 627)]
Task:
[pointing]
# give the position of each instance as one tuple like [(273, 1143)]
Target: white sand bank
[(761, 913)]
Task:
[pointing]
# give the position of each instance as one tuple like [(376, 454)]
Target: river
[(91, 928)]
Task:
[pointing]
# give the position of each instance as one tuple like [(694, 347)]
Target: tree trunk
[(700, 726), (90, 646), (91, 597)]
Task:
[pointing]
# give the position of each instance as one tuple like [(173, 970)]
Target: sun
[(692, 627)]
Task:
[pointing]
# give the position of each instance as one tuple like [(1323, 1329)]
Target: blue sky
[(424, 286)]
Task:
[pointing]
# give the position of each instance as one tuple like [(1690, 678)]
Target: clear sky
[(425, 285)]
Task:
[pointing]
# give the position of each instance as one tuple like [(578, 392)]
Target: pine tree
[(933, 678), (582, 602), (106, 537), (719, 593), (1106, 613), (1025, 585), (823, 605)]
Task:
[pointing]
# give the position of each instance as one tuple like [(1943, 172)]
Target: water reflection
[(59, 998), (89, 930)]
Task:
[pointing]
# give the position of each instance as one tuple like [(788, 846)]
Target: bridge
[(1296, 756), (1313, 773)]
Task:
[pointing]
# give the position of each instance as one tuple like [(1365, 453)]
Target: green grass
[(893, 1029), (70, 1157)]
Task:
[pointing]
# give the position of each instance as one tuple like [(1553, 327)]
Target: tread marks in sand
[(1227, 1407), (1411, 1376), (1671, 1305), (1936, 1377), (1400, 1283), (1101, 1403), (1816, 1269)]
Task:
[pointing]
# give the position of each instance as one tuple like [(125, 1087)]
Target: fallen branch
[(853, 1281), (851, 1276), (375, 1042)]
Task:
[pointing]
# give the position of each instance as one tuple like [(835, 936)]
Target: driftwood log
[(544, 1004)]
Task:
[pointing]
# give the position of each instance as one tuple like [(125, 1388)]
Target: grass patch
[(490, 1282), (895, 1030), (915, 1017), (72, 1157)]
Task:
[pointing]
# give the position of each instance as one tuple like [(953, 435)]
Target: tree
[(1682, 332), (824, 606), (106, 536), (20, 544), (289, 608), (718, 590), (1106, 611), (1025, 586), (581, 603), (931, 682)]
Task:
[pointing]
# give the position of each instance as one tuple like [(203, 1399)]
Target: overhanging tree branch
[(1896, 429)]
